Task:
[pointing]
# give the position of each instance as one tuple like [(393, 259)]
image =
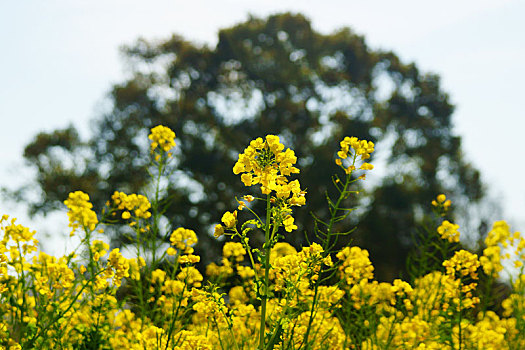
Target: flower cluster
[(119, 266), (463, 263), (80, 213), (500, 244), (356, 265), (99, 249), (265, 162), (460, 270), (162, 137), (184, 240), (491, 259), (352, 147), (449, 231), (441, 201), (300, 268), (132, 205), (441, 204), (234, 250)]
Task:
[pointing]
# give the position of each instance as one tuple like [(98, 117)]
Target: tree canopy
[(273, 75)]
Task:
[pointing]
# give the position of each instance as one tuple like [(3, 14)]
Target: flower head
[(449, 231), (183, 239), (80, 213), (229, 219), (162, 137), (352, 147), (265, 162), (441, 203)]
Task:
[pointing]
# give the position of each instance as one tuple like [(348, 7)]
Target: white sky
[(59, 58)]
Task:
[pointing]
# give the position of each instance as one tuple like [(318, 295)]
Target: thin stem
[(264, 294), (155, 208), (343, 194)]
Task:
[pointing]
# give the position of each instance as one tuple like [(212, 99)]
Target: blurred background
[(437, 86)]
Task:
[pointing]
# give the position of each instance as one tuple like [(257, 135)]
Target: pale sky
[(60, 57)]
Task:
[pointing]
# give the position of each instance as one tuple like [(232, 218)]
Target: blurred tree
[(268, 76)]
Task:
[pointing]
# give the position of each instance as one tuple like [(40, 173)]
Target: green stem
[(326, 245), (250, 256), (264, 294), (343, 195), (155, 209)]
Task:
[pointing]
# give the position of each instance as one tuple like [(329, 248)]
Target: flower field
[(257, 296)]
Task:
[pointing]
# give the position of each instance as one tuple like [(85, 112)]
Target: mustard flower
[(235, 250), (191, 276), (356, 265), (229, 219), (352, 146), (281, 249), (158, 276), (120, 266), (463, 262), (288, 224), (99, 249), (265, 162), (80, 213), (449, 231), (189, 259), (139, 205), (441, 202), (498, 238), (183, 239), (162, 137), (218, 231)]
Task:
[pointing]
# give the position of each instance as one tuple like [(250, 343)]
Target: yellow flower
[(463, 262), (184, 239), (99, 249), (191, 276), (138, 204), (189, 259), (356, 265), (441, 202), (352, 146), (289, 224), (162, 137), (265, 162), (241, 206), (229, 219), (80, 213), (158, 276), (449, 231), (235, 250), (366, 166), (249, 198), (120, 266), (219, 231)]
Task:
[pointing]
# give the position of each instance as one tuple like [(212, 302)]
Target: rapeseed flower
[(265, 162), (80, 213), (449, 231), (162, 137)]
